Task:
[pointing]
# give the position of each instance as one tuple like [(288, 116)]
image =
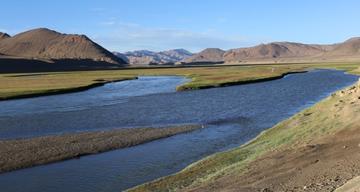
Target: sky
[(127, 25)]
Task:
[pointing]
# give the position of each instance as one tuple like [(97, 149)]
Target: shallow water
[(231, 115)]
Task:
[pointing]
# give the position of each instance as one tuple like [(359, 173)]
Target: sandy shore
[(22, 153)]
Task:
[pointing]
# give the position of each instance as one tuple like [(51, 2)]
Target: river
[(231, 116)]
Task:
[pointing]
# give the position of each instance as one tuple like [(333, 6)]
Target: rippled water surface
[(231, 116)]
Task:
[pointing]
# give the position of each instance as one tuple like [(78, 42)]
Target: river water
[(231, 116)]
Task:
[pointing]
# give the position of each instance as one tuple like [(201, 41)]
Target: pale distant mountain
[(281, 52), (44, 43), (145, 57), (211, 55)]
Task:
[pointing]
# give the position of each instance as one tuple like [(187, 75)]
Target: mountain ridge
[(43, 43), (280, 51), (146, 57)]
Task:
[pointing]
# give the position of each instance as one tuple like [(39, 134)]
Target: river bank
[(23, 153), (16, 86), (232, 116), (303, 153)]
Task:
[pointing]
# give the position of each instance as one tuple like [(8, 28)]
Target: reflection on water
[(231, 115)]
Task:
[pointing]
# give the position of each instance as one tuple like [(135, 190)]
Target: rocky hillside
[(211, 55), (145, 57), (44, 43)]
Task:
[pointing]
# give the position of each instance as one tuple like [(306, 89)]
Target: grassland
[(229, 171), (27, 85), (22, 153), (38, 84)]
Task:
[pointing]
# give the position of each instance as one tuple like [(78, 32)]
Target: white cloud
[(130, 36)]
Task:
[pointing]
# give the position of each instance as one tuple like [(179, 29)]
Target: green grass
[(300, 129), (20, 85)]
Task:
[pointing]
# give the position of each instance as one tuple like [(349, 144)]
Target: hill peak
[(4, 35), (353, 39), (49, 44)]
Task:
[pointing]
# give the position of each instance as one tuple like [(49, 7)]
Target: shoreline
[(178, 88), (29, 152), (64, 91), (299, 138), (243, 82)]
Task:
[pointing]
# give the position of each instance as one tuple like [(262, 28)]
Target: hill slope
[(4, 36), (282, 52), (48, 44), (350, 47), (211, 55), (272, 51)]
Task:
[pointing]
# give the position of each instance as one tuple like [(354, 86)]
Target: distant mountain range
[(47, 50), (145, 57), (281, 52), (44, 43)]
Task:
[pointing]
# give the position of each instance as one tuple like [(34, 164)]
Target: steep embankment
[(315, 150)]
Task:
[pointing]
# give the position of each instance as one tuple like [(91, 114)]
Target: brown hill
[(283, 52), (3, 36), (350, 47), (211, 55), (273, 51), (43, 43)]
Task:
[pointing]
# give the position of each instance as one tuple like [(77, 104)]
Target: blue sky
[(125, 25)]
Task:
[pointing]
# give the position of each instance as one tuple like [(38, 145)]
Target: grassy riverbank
[(306, 151), (28, 85), (22, 153), (37, 84)]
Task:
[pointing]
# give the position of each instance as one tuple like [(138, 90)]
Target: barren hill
[(211, 55), (44, 43), (283, 52), (273, 51), (3, 36), (350, 47)]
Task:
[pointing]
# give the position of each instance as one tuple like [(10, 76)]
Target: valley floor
[(25, 85)]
